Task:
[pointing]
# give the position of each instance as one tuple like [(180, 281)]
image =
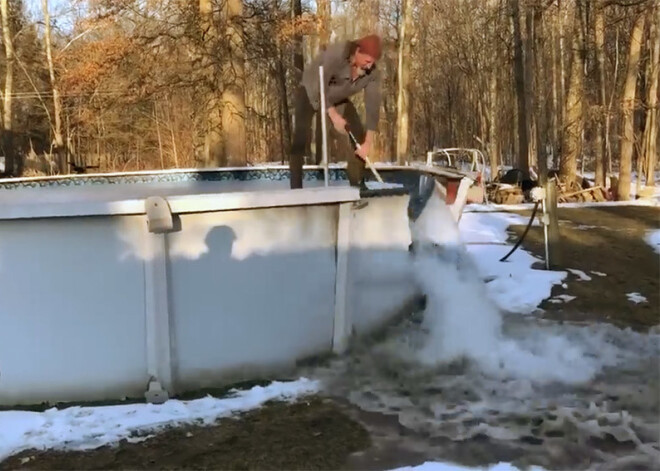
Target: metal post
[(554, 240), (324, 129), (546, 221)]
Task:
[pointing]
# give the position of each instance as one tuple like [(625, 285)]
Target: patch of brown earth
[(609, 241)]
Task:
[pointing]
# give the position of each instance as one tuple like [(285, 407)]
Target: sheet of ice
[(653, 239), (580, 274), (636, 298), (438, 466), (85, 428), (382, 186)]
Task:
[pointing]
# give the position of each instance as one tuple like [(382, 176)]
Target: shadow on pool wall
[(86, 314)]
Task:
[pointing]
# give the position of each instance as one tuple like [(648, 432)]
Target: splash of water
[(531, 387), (462, 322)]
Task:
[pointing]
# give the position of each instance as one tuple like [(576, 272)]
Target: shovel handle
[(356, 145)]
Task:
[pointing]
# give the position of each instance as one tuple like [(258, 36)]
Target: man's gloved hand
[(365, 147), (363, 151), (338, 120)]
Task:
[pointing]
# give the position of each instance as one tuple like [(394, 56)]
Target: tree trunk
[(519, 76), (530, 89), (213, 145), (628, 109), (608, 113), (160, 137), (285, 118), (233, 93), (11, 167), (60, 151), (540, 87), (574, 118), (562, 77), (403, 105), (298, 58), (556, 104), (368, 12), (601, 117), (494, 139), (175, 152), (650, 140), (325, 15)]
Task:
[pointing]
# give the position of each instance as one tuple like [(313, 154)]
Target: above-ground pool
[(118, 283)]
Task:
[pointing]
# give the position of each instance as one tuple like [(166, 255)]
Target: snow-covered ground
[(490, 208), (515, 287), (437, 466), (653, 239), (86, 428)]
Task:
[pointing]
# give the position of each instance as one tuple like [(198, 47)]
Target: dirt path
[(607, 244)]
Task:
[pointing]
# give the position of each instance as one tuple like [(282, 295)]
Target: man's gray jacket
[(339, 86)]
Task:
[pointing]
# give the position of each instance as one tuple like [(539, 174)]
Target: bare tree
[(233, 93), (519, 74), (403, 105), (150, 84), (574, 118), (601, 137), (628, 108), (325, 15), (213, 153), (298, 58), (650, 138), (7, 121), (60, 150)]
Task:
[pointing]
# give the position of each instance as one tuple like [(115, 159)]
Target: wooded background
[(117, 85)]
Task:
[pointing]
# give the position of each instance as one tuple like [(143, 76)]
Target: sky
[(60, 12)]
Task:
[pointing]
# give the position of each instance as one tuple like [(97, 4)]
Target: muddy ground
[(319, 433), (609, 241)]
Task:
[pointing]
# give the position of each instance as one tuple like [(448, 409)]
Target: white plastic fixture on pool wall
[(159, 215)]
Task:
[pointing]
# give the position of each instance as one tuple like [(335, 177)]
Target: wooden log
[(586, 190)]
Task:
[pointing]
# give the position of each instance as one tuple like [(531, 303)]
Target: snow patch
[(653, 239), (490, 208), (598, 273), (437, 466), (562, 298), (515, 286), (636, 298), (580, 274), (87, 428), (382, 186)]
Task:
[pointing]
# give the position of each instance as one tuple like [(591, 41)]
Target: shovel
[(356, 146)]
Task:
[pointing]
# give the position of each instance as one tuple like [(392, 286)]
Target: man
[(348, 67)]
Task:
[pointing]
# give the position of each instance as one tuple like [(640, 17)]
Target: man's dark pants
[(304, 116)]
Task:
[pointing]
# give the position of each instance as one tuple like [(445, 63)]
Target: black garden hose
[(522, 237)]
